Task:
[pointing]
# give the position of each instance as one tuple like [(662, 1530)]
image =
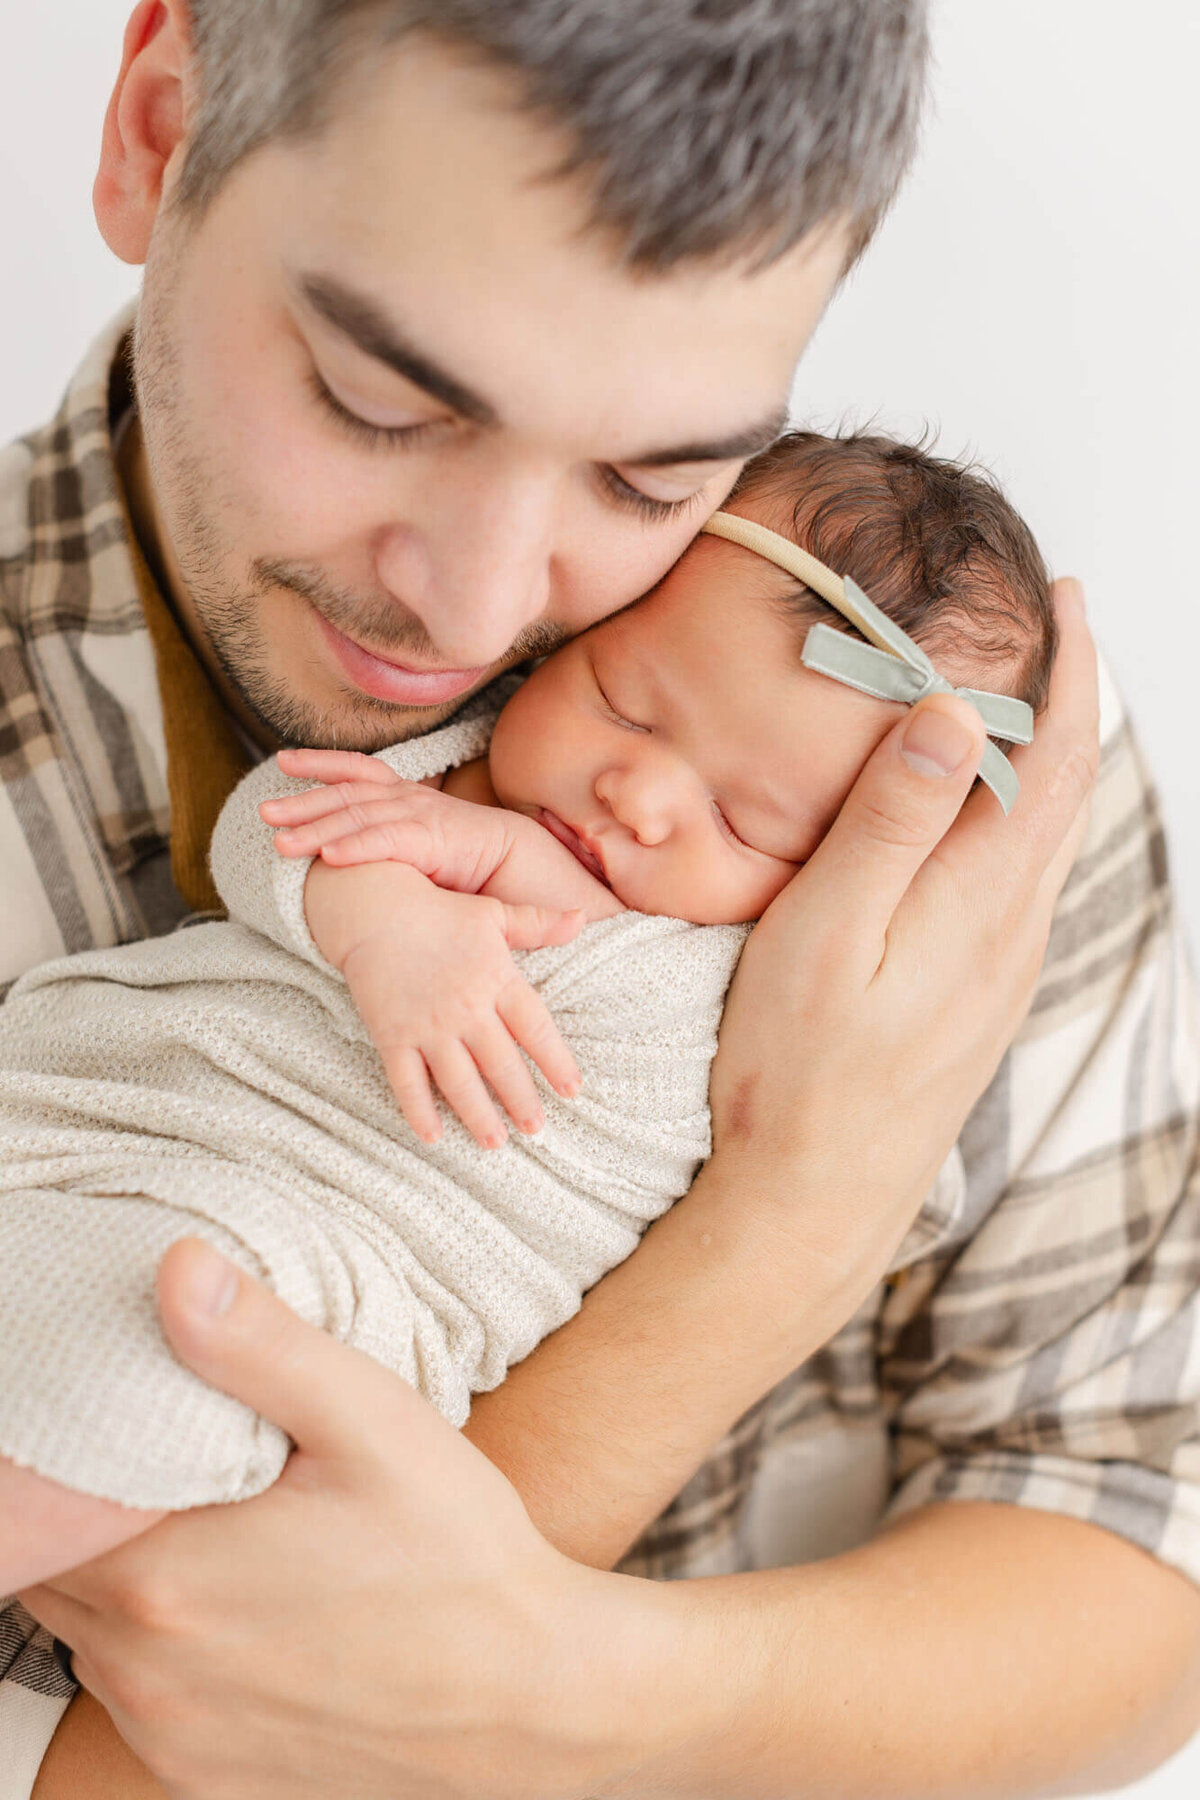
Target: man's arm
[(539, 1622), (973, 1650)]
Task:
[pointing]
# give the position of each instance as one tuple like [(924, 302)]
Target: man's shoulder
[(83, 801), (17, 463), (1116, 907)]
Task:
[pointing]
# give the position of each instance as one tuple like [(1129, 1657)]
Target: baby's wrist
[(323, 912), (335, 903)]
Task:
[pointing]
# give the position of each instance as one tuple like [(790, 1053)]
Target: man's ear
[(144, 128)]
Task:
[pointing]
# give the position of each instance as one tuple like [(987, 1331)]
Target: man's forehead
[(442, 204)]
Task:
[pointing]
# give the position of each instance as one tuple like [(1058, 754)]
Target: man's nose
[(640, 796), (474, 565)]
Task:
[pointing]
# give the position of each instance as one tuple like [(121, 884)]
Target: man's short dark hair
[(935, 543), (706, 128)]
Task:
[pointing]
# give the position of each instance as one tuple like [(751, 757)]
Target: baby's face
[(681, 750)]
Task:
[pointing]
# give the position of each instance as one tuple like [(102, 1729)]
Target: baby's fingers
[(409, 1079), (336, 765), (527, 1018), (453, 1069), (317, 802), (344, 839), (533, 927), (500, 1062)]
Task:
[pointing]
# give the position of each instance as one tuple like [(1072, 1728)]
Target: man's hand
[(909, 944), (363, 1692), (903, 956), (433, 978)]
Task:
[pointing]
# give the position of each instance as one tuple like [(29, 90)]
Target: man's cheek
[(295, 493)]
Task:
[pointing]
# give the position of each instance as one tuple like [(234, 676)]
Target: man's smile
[(400, 683)]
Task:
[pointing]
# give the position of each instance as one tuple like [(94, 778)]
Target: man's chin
[(346, 719)]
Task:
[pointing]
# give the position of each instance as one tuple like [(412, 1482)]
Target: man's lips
[(394, 681), (565, 834)]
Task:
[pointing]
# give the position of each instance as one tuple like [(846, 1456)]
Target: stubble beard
[(232, 616)]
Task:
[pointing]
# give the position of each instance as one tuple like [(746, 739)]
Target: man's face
[(407, 421)]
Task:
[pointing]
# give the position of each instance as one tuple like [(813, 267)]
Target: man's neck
[(133, 473)]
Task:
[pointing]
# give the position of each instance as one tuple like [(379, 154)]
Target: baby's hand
[(363, 813), (432, 976)]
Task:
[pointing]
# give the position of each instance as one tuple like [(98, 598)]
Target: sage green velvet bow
[(889, 666)]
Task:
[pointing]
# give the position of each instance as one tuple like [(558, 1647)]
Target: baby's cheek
[(749, 895), (720, 891)]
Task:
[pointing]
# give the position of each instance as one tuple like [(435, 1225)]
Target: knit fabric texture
[(219, 1083)]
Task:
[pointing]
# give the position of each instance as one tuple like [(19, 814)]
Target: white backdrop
[(1034, 295)]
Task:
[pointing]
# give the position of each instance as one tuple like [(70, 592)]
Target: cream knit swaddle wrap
[(219, 1082)]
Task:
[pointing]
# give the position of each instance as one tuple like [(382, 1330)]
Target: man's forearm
[(601, 1426), (972, 1652)]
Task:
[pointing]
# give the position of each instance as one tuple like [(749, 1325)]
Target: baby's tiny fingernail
[(531, 1126)]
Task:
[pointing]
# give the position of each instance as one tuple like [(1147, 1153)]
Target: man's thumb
[(903, 803), (236, 1334), (532, 927)]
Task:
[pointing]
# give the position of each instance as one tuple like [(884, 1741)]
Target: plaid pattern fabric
[(1037, 1341), (84, 808)]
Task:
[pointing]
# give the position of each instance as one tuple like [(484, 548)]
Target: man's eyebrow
[(746, 442), (358, 318), (368, 327)]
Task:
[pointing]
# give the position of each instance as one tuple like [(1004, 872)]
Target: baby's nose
[(639, 802)]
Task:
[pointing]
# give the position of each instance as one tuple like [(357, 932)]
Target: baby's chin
[(687, 908), (733, 906)]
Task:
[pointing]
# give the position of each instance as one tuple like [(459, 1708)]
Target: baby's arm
[(364, 812), (430, 971), (46, 1528), (432, 976)]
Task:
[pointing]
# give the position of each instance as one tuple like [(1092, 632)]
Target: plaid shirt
[(1037, 1340)]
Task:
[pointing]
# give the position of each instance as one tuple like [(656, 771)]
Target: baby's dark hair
[(934, 543)]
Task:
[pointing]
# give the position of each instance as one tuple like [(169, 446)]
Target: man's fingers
[(903, 803), (1036, 845), (533, 927), (62, 1614), (237, 1335)]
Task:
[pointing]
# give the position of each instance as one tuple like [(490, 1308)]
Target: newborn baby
[(659, 779)]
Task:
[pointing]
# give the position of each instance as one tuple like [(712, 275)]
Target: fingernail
[(936, 743), (211, 1284), (531, 1126)]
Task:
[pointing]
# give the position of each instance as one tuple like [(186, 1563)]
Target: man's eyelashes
[(391, 437), (372, 437)]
